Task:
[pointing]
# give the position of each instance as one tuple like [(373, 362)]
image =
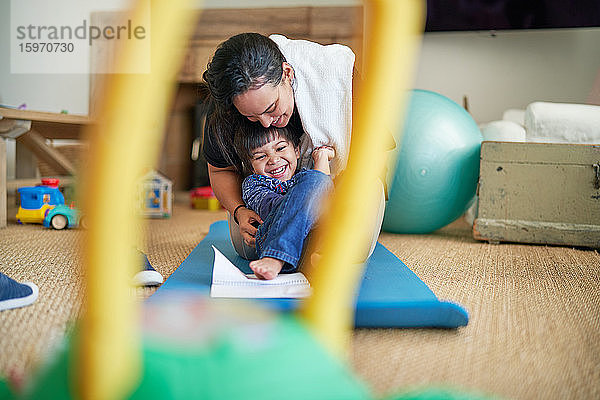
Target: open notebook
[(229, 281)]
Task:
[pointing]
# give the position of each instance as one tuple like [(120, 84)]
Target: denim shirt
[(264, 193)]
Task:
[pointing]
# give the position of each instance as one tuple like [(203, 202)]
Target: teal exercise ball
[(432, 175)]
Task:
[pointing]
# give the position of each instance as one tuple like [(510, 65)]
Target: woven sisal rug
[(534, 329)]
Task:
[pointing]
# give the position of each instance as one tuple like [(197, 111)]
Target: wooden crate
[(539, 193)]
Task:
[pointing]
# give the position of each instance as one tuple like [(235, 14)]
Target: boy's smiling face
[(277, 159)]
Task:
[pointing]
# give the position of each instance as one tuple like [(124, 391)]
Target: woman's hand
[(248, 221)]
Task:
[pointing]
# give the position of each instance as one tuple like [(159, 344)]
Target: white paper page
[(229, 281)]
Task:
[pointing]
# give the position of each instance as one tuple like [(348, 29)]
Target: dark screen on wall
[(473, 15)]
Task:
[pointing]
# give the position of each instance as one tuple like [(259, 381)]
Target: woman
[(277, 82)]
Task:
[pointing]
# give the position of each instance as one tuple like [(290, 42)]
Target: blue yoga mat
[(390, 294)]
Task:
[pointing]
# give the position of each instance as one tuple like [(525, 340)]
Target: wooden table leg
[(37, 144)]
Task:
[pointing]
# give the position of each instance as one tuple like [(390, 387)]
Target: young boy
[(288, 201)]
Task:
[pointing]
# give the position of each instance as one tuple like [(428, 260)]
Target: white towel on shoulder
[(323, 93)]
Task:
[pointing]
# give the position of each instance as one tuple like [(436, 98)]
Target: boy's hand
[(323, 153), (321, 157), (248, 221)]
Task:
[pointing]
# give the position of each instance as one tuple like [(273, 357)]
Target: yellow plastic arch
[(130, 126), (392, 34), (126, 138)]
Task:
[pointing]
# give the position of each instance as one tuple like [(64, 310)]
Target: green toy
[(5, 393), (194, 348)]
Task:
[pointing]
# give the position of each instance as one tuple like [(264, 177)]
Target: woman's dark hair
[(242, 62), (251, 136)]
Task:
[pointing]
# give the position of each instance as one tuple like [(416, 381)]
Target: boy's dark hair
[(252, 135)]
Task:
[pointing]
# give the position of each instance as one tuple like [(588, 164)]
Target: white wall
[(509, 70), (46, 92)]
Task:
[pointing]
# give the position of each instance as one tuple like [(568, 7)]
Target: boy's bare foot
[(266, 268)]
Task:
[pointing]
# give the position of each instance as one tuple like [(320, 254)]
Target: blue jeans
[(283, 233)]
